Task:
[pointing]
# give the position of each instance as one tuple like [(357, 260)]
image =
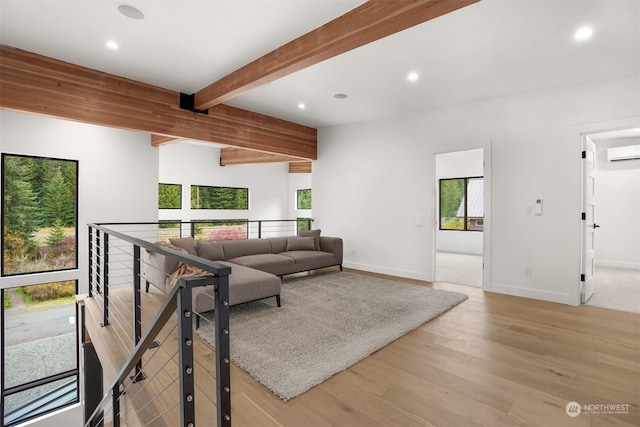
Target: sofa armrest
[(333, 245), (157, 268)]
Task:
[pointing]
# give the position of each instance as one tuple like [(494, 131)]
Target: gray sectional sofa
[(257, 265)]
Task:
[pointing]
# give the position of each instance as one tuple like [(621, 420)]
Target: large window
[(462, 204), (39, 214), (169, 196), (39, 350), (203, 197), (303, 199), (38, 339)]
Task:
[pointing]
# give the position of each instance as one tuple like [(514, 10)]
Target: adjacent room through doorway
[(460, 217), (617, 215)]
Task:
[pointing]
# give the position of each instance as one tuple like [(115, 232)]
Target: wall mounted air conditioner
[(628, 152)]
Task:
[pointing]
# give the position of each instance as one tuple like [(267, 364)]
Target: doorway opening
[(460, 217), (615, 223)]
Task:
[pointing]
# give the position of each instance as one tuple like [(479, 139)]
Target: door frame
[(485, 145), (587, 269), (580, 131)]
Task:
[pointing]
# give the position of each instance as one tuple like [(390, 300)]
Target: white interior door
[(589, 225)]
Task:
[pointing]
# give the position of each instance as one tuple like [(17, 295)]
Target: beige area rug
[(327, 323)]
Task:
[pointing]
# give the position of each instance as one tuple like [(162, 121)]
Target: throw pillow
[(186, 243), (311, 233), (211, 250), (300, 244)]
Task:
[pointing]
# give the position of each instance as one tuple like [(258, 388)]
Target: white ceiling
[(491, 49)]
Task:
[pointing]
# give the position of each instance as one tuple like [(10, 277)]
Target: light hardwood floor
[(493, 360)]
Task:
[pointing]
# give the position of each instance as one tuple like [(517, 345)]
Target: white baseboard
[(617, 264), (389, 271), (528, 293)]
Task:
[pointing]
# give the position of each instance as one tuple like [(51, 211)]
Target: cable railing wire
[(111, 270)]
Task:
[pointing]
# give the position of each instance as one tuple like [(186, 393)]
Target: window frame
[(40, 277), (4, 156), (218, 187), (465, 219), (39, 382), (179, 197), (298, 199)]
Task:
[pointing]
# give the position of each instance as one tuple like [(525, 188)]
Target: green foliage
[(169, 196), (219, 197), (56, 234), (58, 201), (304, 224), (452, 224), (451, 194), (304, 199), (48, 291), (19, 200), (38, 192), (6, 298), (169, 224)]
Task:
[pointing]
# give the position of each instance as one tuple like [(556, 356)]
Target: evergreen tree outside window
[(203, 197), (39, 214), (169, 196), (303, 198)]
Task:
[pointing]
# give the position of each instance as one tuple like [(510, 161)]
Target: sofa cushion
[(245, 284), (310, 260), (210, 250), (186, 243), (312, 233), (237, 248), (301, 244), (271, 263), (278, 244)]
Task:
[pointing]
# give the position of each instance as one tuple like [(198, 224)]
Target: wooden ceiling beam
[(238, 156), (369, 22), (300, 167), (158, 140), (39, 85)]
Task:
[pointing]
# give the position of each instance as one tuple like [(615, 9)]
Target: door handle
[(595, 226)]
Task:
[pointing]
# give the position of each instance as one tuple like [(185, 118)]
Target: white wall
[(617, 208), (299, 181), (458, 164), (118, 182), (195, 164), (372, 180), (118, 171)]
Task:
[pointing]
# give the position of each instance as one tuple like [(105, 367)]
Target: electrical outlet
[(353, 251), (526, 271)]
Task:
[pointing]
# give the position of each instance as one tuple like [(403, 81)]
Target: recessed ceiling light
[(583, 33), (413, 76), (112, 45), (130, 11), (340, 96), (301, 106)]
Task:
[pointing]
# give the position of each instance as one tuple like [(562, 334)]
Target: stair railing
[(179, 302)]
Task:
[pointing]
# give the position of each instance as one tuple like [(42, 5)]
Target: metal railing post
[(90, 261), (185, 350), (98, 262), (137, 310), (116, 405), (105, 279), (223, 352)]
